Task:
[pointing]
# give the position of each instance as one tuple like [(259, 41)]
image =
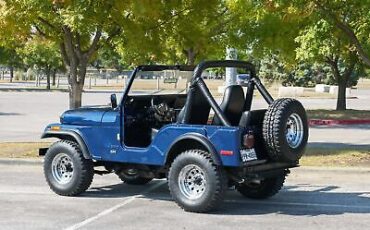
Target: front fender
[(69, 135)]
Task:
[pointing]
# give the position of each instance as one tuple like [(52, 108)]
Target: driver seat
[(197, 106), (232, 105)]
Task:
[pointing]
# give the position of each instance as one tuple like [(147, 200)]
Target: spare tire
[(285, 130)]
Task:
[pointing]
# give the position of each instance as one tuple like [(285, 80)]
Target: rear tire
[(262, 190), (132, 177), (195, 182), (66, 171), (285, 130)]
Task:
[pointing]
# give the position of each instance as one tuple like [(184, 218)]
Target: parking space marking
[(114, 208), (167, 198)]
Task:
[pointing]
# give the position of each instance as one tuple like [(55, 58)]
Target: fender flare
[(70, 134), (200, 139)]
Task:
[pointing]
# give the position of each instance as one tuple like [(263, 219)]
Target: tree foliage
[(41, 54), (78, 27)]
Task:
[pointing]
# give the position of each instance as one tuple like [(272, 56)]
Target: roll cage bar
[(197, 81)]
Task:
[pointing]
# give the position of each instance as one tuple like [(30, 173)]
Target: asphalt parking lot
[(311, 199)]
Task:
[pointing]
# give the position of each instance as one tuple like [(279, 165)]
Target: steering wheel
[(152, 102)]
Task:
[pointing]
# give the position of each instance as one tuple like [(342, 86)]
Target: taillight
[(248, 140)]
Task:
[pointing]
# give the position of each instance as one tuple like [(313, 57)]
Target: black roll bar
[(255, 81), (197, 81)]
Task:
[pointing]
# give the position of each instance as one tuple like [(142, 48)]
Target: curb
[(31, 90), (58, 90), (318, 122), (21, 161)]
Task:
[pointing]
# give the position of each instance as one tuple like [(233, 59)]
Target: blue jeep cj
[(176, 136)]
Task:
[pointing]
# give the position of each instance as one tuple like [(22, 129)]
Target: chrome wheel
[(192, 181), (62, 168), (294, 130), (131, 172)]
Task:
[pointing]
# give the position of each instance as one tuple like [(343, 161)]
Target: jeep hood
[(89, 116)]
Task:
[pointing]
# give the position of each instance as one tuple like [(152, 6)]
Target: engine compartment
[(146, 114)]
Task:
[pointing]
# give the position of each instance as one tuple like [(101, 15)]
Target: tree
[(174, 32), (43, 54), (10, 58), (196, 29), (107, 57), (261, 29), (351, 17), (78, 27), (320, 42), (271, 69)]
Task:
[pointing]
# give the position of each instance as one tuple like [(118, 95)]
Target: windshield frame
[(152, 68)]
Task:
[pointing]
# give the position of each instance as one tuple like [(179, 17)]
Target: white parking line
[(114, 208), (167, 198)]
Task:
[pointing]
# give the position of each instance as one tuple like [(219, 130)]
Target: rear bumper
[(262, 166), (262, 169)]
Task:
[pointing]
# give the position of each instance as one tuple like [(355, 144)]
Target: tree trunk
[(75, 96), (76, 81), (48, 78), (11, 73), (341, 99), (76, 61), (190, 56), (54, 76), (342, 78)]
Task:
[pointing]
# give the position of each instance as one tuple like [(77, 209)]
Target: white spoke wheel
[(67, 172), (62, 168), (192, 182), (196, 183), (294, 130)]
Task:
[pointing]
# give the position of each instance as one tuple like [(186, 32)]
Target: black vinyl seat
[(197, 108), (232, 105)]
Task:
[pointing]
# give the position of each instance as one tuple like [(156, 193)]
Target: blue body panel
[(103, 137)]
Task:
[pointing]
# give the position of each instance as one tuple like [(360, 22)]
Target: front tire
[(262, 189), (195, 182), (66, 171)]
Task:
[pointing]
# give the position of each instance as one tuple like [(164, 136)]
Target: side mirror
[(113, 100)]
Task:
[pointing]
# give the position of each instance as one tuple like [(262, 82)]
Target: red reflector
[(226, 152)]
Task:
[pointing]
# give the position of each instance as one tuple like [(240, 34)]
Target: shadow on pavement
[(292, 200), (9, 114)]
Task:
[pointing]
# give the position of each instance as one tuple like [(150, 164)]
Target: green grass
[(336, 157), (338, 115), (21, 149)]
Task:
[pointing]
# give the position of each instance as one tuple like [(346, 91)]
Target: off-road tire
[(83, 169), (133, 179), (215, 177), (267, 187), (274, 127)]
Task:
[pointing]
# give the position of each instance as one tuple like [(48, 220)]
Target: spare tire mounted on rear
[(285, 130)]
